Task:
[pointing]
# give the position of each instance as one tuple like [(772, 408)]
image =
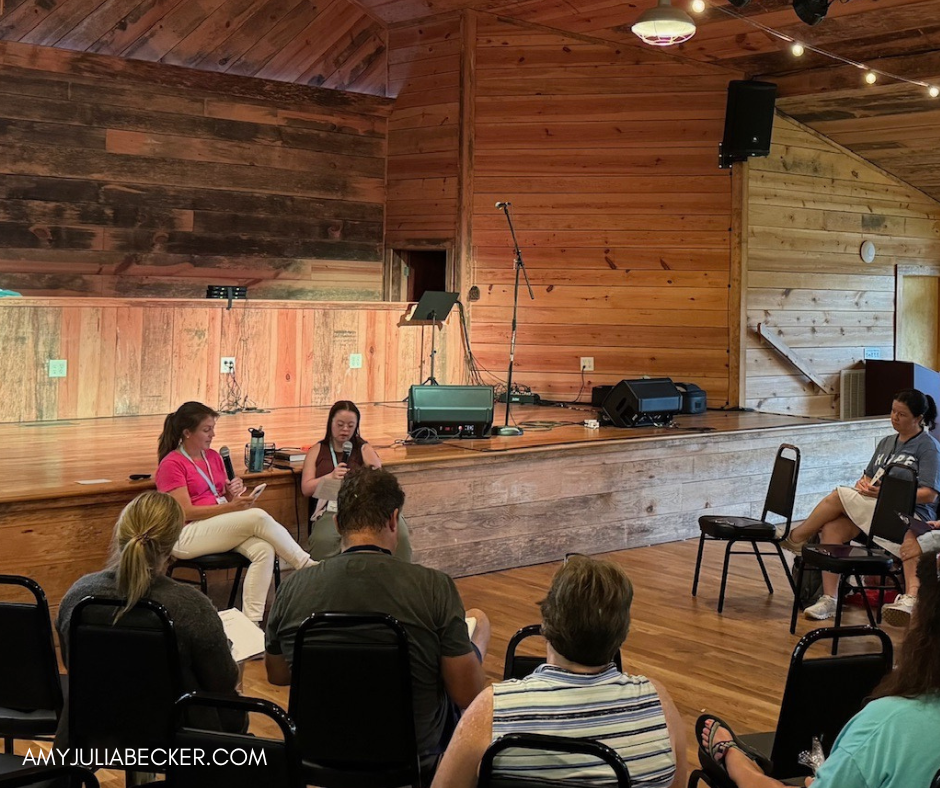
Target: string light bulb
[(933, 91), (797, 49), (698, 6), (871, 77)]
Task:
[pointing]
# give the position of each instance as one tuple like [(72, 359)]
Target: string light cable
[(799, 47)]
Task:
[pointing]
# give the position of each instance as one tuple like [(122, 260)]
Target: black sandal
[(712, 759)]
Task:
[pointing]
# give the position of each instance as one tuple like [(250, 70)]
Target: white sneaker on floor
[(825, 607), (898, 613)]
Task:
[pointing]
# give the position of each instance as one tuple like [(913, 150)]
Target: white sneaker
[(824, 608), (898, 613)]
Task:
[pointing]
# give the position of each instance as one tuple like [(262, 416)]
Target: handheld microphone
[(347, 451), (501, 205), (227, 461)]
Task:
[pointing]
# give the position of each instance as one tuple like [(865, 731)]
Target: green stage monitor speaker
[(451, 411)]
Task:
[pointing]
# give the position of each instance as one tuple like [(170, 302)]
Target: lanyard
[(212, 487), (333, 455)]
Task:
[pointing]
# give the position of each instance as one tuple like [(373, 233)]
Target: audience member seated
[(578, 692), (326, 461), (366, 578), (219, 516), (143, 540), (846, 512), (892, 742), (898, 613)]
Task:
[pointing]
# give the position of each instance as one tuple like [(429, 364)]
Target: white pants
[(254, 534)]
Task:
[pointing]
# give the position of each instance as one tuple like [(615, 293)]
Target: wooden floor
[(49, 458), (734, 664)]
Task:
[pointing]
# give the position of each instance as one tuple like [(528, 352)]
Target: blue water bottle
[(256, 450)]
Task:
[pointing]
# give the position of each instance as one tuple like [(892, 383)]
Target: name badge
[(220, 499), (332, 507)]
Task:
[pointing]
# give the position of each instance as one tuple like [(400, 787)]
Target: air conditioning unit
[(852, 394)]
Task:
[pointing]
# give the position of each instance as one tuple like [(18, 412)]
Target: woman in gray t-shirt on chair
[(847, 511)]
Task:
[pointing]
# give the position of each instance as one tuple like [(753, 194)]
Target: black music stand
[(434, 306)]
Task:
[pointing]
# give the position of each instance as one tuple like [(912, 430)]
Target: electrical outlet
[(872, 353), (587, 363), (58, 367), (355, 360), (227, 365)]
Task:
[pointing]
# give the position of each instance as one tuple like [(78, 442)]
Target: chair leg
[(8, 745), (698, 563), (840, 601), (203, 581), (796, 593), (868, 610), (699, 776), (724, 576), (786, 569), (234, 592), (277, 573), (763, 569)]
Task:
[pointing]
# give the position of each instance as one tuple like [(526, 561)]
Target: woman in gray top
[(847, 511), (143, 539)]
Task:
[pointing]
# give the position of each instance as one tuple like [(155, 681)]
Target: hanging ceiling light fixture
[(812, 12), (664, 25)]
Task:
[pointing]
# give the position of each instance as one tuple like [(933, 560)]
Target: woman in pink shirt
[(218, 516)]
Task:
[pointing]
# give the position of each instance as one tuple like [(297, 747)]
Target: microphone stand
[(506, 429)]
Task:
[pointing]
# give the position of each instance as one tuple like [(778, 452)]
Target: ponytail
[(188, 416), (921, 405), (144, 537)]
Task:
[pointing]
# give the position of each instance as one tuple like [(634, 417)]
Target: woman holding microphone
[(219, 518)]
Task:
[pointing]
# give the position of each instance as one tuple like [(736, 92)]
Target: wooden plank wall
[(608, 156), (128, 357), (812, 203), (122, 178), (424, 78), (332, 44)]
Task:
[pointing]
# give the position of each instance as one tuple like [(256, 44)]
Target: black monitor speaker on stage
[(643, 402), (451, 411)]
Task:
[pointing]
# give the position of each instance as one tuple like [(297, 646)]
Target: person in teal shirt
[(891, 743)]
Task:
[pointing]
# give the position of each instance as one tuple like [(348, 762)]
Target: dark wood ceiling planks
[(342, 44)]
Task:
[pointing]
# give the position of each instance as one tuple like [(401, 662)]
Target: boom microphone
[(347, 451), (227, 461), (501, 205)]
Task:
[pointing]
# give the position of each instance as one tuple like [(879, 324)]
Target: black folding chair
[(47, 776), (212, 562), (30, 684), (234, 760), (489, 768), (935, 783), (519, 666), (897, 494), (352, 672), (124, 676), (781, 493)]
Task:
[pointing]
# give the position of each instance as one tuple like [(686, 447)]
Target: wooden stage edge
[(473, 506)]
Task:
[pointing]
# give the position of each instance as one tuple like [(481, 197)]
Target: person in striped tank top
[(578, 692)]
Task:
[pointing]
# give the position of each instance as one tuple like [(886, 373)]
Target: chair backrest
[(518, 666), (29, 672), (935, 783), (235, 760), (781, 492), (124, 676), (489, 769), (351, 699), (823, 693), (43, 777), (897, 494)]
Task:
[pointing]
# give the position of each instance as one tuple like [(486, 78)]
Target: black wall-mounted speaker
[(647, 401), (749, 121)]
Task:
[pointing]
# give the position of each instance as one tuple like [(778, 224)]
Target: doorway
[(412, 272)]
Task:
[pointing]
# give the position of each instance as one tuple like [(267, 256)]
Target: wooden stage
[(473, 505)]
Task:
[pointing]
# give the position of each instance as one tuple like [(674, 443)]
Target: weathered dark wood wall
[(121, 178)]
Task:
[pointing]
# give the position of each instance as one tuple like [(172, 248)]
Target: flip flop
[(712, 758)]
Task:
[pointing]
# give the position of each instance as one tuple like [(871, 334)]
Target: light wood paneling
[(159, 181), (130, 357), (806, 280), (622, 216)]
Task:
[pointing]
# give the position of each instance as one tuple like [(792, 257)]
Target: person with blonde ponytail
[(219, 517), (143, 540)]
